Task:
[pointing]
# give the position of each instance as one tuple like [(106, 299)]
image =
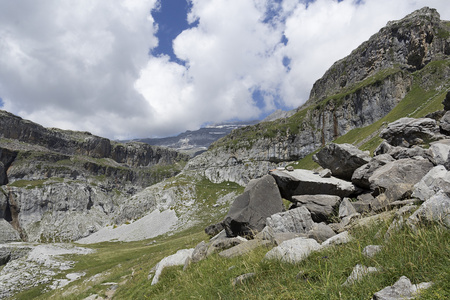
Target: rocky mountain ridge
[(408, 58)]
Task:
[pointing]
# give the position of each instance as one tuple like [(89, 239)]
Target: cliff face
[(63, 185), (409, 54)]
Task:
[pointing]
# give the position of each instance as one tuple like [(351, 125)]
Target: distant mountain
[(196, 141)]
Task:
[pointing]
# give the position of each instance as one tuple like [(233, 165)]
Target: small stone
[(242, 278)]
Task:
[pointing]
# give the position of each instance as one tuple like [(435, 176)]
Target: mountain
[(62, 185), (194, 142)]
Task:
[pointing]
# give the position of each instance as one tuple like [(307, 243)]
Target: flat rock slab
[(305, 182)]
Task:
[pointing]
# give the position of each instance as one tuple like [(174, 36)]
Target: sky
[(152, 68)]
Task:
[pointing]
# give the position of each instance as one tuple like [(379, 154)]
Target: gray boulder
[(445, 123), (296, 220), (397, 179), (248, 213), (338, 239), (437, 179), (177, 259), (371, 250), (435, 209), (358, 272), (321, 232), (305, 182), (346, 208), (361, 175), (293, 251), (406, 132), (440, 151), (321, 207), (341, 159), (401, 290), (244, 248)]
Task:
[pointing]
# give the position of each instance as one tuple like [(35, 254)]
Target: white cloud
[(84, 64)]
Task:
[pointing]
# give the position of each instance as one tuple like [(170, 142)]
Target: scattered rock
[(435, 209), (321, 207), (402, 289), (358, 272), (341, 238), (224, 243), (437, 179), (325, 173), (177, 259), (445, 123), (199, 252), (248, 213), (293, 251), (371, 250), (242, 278), (341, 159)]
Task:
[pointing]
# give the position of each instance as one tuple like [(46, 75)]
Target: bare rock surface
[(293, 251), (341, 159), (177, 259), (321, 207), (305, 182)]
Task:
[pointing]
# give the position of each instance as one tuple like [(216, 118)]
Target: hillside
[(65, 186)]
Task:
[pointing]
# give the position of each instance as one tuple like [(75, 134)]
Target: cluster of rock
[(351, 187)]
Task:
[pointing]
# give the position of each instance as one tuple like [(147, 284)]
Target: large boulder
[(406, 132), (248, 213), (305, 182), (341, 159), (361, 175), (446, 101), (398, 178), (296, 220), (321, 207), (437, 179)]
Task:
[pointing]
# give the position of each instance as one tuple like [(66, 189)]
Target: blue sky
[(146, 68)]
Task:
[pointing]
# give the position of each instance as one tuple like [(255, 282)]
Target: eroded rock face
[(341, 159), (248, 213)]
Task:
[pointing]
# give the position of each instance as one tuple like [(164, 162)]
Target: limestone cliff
[(63, 185), (405, 56)]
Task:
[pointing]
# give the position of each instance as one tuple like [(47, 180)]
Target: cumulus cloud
[(84, 65)]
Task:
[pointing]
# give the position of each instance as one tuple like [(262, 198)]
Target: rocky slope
[(63, 185), (405, 57)]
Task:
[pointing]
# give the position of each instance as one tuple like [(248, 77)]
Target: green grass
[(422, 256)]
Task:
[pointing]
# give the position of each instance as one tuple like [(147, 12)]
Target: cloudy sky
[(147, 68)]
